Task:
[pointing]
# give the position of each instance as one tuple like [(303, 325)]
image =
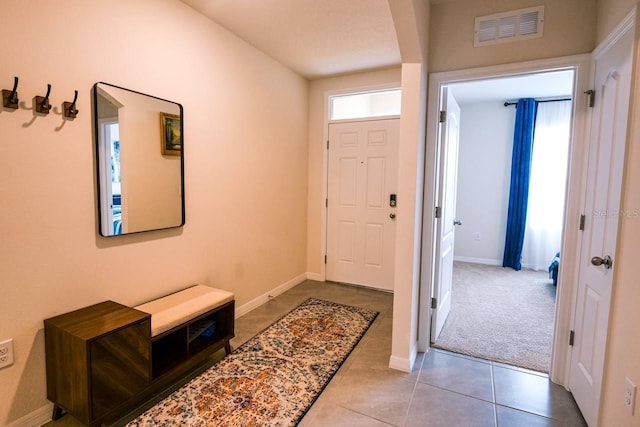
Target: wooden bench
[(106, 359)]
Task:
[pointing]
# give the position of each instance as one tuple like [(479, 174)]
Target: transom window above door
[(365, 104)]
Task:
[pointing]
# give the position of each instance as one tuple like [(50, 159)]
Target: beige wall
[(411, 156), (568, 30), (411, 21), (610, 13), (317, 147), (414, 33), (246, 169)]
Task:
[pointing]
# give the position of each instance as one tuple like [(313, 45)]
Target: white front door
[(445, 226), (362, 193), (602, 213)]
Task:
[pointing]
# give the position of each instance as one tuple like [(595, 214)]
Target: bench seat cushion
[(180, 307)]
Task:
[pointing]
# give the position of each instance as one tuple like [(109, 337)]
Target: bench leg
[(58, 412)]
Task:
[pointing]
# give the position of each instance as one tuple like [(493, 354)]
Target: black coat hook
[(69, 108), (42, 102), (10, 97)]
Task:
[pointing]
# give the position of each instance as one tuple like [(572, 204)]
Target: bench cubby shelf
[(177, 345), (102, 360)]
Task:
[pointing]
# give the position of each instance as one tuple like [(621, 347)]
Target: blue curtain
[(520, 174)]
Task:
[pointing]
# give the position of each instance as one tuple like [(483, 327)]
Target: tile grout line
[(493, 398), (413, 392), (525, 411), (493, 392), (457, 392), (364, 415)]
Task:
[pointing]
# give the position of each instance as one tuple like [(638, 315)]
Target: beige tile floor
[(444, 389)]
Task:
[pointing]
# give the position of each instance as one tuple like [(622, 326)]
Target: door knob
[(392, 215), (457, 222), (606, 261)]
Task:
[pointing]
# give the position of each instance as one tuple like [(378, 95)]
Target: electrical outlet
[(6, 353), (629, 395), (476, 236)]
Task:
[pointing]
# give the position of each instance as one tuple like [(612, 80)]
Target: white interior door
[(108, 129), (362, 187), (602, 212), (445, 225)]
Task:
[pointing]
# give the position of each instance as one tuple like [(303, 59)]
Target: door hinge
[(434, 303), (326, 203), (592, 97), (438, 212), (327, 144), (443, 116), (571, 337), (325, 258), (582, 219)]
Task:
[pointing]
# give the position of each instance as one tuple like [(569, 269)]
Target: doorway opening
[(493, 312)]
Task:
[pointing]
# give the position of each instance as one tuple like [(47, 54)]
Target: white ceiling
[(315, 38), (541, 85), (321, 38)]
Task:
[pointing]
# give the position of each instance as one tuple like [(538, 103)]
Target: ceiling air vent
[(509, 26)]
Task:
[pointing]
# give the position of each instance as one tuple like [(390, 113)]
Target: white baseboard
[(484, 261), (402, 363), (258, 301), (315, 276), (34, 419)]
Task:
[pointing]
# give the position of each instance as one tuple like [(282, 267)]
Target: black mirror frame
[(98, 161)]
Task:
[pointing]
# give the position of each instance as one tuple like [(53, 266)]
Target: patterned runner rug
[(272, 379)]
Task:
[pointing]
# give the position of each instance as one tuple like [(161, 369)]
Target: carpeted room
[(501, 315)]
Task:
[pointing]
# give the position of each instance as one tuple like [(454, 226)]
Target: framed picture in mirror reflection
[(170, 134)]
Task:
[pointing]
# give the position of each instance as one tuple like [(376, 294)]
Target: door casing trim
[(322, 276), (565, 300)]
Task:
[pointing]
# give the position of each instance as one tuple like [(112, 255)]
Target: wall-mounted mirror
[(140, 165)]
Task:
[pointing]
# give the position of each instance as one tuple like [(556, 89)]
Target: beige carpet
[(502, 315)]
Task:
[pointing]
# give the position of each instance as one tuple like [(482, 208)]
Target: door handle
[(606, 261), (457, 222), (392, 215)]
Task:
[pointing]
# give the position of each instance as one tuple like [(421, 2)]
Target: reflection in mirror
[(140, 161)]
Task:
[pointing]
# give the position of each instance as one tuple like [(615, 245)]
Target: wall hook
[(10, 97), (42, 102), (69, 108)]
